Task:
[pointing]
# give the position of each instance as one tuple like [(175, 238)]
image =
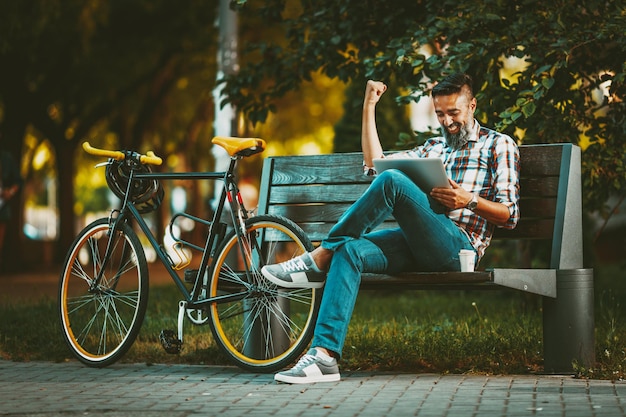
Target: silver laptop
[(427, 173)]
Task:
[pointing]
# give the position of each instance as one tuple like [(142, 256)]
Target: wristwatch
[(472, 203)]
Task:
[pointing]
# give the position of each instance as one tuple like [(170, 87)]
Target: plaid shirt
[(487, 165)]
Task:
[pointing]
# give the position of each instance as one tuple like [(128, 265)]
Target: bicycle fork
[(113, 228)]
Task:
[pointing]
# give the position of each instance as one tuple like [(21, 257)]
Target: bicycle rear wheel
[(260, 326), (100, 324)]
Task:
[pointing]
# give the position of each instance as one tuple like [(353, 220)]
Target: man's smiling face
[(455, 113)]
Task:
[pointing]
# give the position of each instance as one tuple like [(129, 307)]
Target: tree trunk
[(12, 139), (66, 170)]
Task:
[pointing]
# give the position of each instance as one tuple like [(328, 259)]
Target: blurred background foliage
[(141, 74), (543, 73)]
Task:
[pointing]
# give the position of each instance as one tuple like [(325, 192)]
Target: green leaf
[(529, 109), (547, 83), (543, 69)]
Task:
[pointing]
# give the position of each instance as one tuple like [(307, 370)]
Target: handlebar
[(149, 158)]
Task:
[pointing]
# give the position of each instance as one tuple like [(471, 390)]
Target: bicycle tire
[(100, 326), (269, 327)]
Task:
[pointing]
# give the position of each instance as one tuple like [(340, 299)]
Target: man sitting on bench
[(483, 166)]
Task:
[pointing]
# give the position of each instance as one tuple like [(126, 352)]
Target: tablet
[(427, 173)]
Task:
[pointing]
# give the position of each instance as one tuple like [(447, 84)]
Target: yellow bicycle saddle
[(240, 146)]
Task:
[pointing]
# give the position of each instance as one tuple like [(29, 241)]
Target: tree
[(569, 84), (68, 65)]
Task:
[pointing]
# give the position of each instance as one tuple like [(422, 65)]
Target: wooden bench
[(315, 190)]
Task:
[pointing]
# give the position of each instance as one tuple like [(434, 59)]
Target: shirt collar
[(476, 129)]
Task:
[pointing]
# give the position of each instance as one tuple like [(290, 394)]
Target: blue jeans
[(426, 240)]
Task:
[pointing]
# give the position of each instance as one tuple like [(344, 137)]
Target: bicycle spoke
[(298, 295), (232, 311), (79, 302), (116, 323), (227, 274), (129, 299), (78, 271), (86, 330)]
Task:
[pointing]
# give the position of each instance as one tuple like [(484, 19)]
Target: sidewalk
[(54, 389)]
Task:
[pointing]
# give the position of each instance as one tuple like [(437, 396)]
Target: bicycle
[(103, 289)]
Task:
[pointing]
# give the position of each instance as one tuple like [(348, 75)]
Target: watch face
[(473, 203)]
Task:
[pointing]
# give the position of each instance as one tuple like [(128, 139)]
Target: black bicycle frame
[(128, 211)]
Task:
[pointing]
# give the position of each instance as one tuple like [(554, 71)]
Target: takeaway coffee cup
[(467, 259)]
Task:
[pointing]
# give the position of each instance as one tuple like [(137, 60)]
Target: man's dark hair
[(453, 84)]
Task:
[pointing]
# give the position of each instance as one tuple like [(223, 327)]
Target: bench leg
[(258, 340), (568, 322)]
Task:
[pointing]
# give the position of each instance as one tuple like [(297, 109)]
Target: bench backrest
[(315, 190)]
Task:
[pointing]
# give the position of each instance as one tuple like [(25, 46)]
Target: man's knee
[(350, 253), (360, 255)]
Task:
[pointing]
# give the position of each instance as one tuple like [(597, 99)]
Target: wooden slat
[(331, 211), (537, 160), (318, 169), (540, 212), (540, 229), (300, 194), (340, 193), (527, 229), (539, 187), (318, 231), (426, 280), (537, 207), (540, 160), (311, 213)]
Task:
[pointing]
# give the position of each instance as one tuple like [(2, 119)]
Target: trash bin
[(568, 322)]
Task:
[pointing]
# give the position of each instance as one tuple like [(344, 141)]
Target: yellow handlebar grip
[(150, 158), (117, 155)]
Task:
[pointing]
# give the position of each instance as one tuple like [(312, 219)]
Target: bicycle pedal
[(170, 342), (190, 275)]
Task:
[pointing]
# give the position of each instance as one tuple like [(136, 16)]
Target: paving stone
[(47, 389)]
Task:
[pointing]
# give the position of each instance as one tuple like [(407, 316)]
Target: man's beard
[(459, 139)]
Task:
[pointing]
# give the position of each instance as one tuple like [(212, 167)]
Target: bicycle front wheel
[(260, 326), (100, 322)]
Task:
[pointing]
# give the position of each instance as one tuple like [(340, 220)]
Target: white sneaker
[(299, 272), (314, 366)]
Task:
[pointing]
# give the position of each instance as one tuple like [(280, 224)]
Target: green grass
[(446, 332), (494, 332)]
